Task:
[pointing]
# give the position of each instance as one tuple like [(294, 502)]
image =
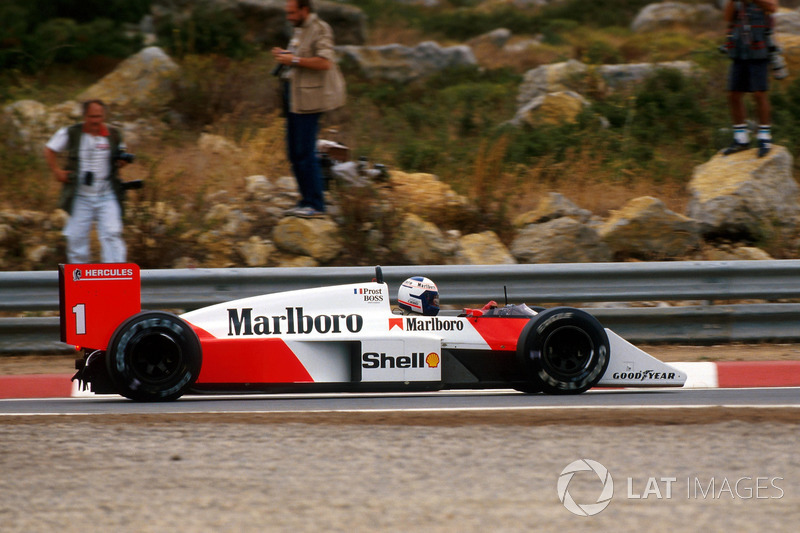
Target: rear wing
[(94, 299)]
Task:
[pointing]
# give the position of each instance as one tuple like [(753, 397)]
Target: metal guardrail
[(715, 281)]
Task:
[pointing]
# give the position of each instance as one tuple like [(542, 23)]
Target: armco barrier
[(713, 281)]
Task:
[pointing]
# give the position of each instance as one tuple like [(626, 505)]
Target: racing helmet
[(419, 295)]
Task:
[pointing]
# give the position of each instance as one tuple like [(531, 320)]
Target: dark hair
[(97, 101), (305, 3)]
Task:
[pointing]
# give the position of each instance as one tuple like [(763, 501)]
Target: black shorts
[(749, 76)]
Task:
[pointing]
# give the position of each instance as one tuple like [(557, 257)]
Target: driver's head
[(419, 295)]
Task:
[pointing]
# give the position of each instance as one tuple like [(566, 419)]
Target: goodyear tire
[(153, 356), (563, 351)]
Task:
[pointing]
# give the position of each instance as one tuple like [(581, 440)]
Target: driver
[(419, 295)]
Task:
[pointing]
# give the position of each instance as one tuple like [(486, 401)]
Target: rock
[(256, 251), (482, 249), (259, 187), (551, 207), (563, 240), (744, 197), (27, 119), (562, 107), (551, 78), (216, 144), (622, 76), (496, 38), (37, 254), (398, 63), (421, 243), (736, 253), (143, 81), (666, 15), (568, 76), (297, 261), (424, 194), (645, 229), (787, 22), (317, 237)]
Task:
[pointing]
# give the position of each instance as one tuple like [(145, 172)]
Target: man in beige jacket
[(312, 85)]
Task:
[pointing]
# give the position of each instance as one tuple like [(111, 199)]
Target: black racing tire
[(563, 351), (153, 356)]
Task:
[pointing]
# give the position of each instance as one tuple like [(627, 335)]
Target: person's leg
[(736, 105), (737, 85), (307, 171), (763, 109), (109, 230), (77, 230), (760, 84)]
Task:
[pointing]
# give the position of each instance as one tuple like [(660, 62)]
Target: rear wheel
[(563, 351), (153, 356)]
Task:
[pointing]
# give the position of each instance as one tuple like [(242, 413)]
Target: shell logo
[(432, 360)]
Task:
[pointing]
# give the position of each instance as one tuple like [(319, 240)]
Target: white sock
[(764, 133), (740, 134)]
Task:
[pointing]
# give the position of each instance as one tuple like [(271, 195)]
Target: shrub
[(208, 30), (214, 87)]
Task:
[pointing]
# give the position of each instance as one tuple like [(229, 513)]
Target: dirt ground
[(64, 364)]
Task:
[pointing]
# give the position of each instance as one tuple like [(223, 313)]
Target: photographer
[(312, 85), (92, 191), (749, 30)]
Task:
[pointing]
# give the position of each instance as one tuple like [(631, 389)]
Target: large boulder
[(645, 229), (143, 81), (421, 242), (563, 240), (569, 76), (424, 194), (743, 196), (550, 78), (666, 15), (787, 22), (31, 123), (398, 63), (484, 248), (317, 238), (562, 107)]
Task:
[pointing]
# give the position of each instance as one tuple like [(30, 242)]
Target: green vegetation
[(36, 34), (641, 141)]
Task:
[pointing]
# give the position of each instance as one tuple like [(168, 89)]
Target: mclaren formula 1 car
[(342, 338)]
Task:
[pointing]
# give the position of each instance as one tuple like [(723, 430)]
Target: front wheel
[(153, 356), (563, 351)]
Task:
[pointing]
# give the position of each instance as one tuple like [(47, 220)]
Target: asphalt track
[(420, 403)]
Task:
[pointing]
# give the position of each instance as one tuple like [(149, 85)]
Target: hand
[(285, 58), (282, 56), (61, 175)]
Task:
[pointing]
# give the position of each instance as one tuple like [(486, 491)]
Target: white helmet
[(419, 295)]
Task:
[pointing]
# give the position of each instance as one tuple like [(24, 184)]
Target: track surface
[(439, 462), (438, 401)]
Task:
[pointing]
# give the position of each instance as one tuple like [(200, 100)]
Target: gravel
[(457, 472)]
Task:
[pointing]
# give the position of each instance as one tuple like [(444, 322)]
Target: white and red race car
[(343, 338)]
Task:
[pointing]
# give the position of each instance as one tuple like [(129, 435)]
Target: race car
[(344, 338)]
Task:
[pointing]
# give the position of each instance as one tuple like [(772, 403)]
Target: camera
[(132, 185), (777, 63), (125, 156), (278, 70)]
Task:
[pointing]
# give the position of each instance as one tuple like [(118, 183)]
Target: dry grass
[(583, 179)]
